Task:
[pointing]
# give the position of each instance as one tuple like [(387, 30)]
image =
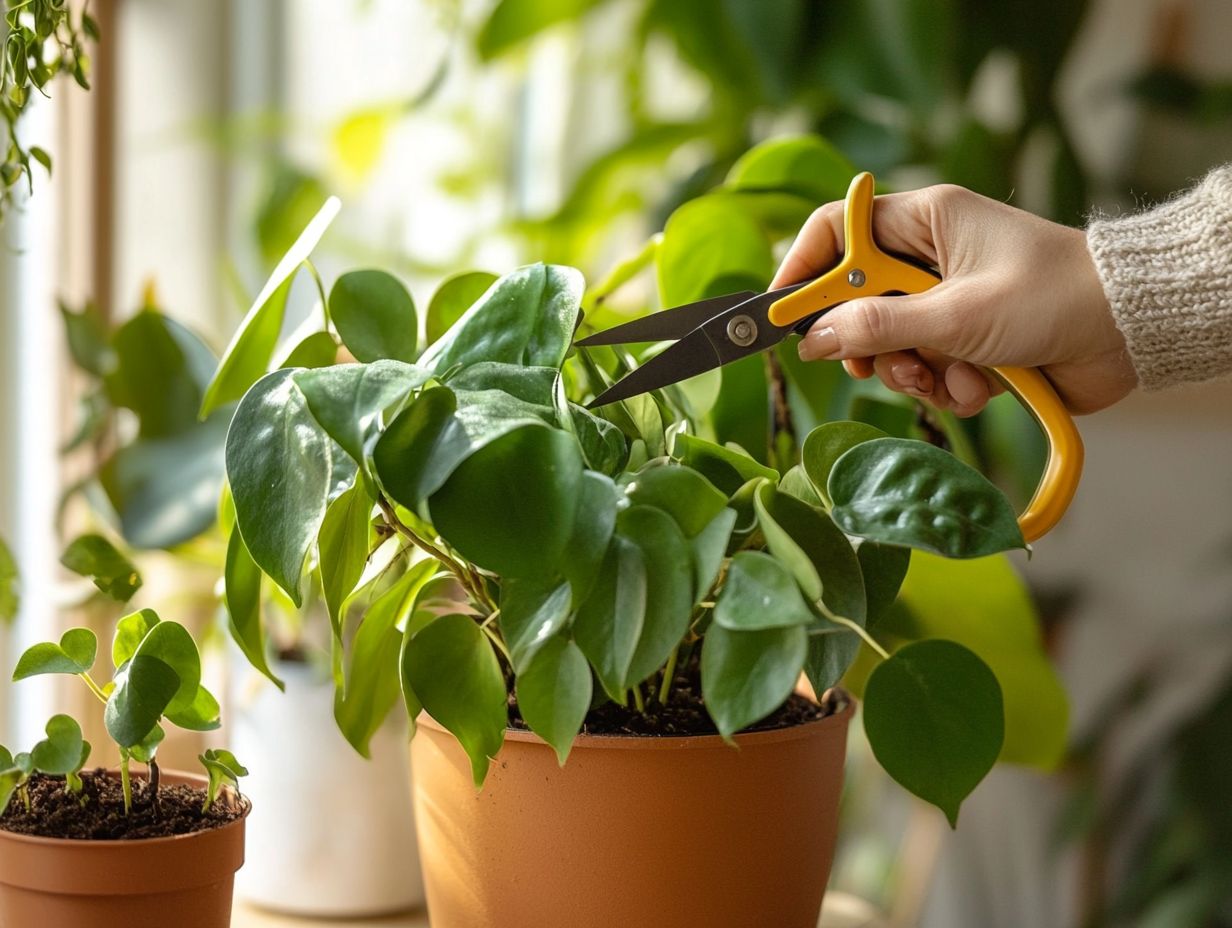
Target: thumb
[(876, 325)]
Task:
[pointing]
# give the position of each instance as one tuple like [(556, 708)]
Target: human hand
[(1017, 291)]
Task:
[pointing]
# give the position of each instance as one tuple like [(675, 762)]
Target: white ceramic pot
[(330, 834)]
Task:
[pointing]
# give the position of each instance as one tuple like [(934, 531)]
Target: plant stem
[(638, 699), (126, 783), (155, 802), (463, 575), (316, 277), (94, 687), (855, 627), (25, 796), (669, 673), (496, 640)]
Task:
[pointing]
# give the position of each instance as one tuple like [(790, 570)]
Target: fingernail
[(912, 378), (818, 343)]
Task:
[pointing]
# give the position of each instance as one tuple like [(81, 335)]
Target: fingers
[(968, 387), (904, 372), (902, 222), (878, 325)]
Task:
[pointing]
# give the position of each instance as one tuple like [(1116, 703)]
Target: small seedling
[(61, 754), (223, 768)]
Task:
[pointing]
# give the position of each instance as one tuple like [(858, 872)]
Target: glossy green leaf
[(144, 688), (681, 492), (222, 768), (724, 467), (73, 655), (760, 593), (279, 466), (706, 243), (533, 385), (375, 316), (453, 670), (554, 693), (796, 483), (934, 719), (667, 558), (348, 399), (165, 490), (129, 633), (527, 317), (145, 750), (371, 682), (959, 600), (512, 22), (10, 585), (202, 714), (806, 165), (531, 477), (248, 355), (242, 599), (781, 544), (825, 445), (904, 492), (746, 675), (10, 779), (343, 546), (170, 643), (609, 622), (884, 568), (532, 612), (593, 525), (316, 350), (160, 373), (61, 752), (421, 447), (709, 548), (602, 442), (454, 297), (95, 557)]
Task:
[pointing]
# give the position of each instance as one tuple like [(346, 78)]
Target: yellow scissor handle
[(866, 270)]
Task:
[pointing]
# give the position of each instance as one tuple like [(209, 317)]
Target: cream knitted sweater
[(1167, 274)]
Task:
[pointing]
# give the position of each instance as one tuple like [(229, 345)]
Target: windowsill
[(841, 911)]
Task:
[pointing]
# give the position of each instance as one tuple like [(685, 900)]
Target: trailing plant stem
[(463, 575), (669, 672), (855, 627)]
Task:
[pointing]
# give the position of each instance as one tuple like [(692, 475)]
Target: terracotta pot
[(633, 831), (149, 883)]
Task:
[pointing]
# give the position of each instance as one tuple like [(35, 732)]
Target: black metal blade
[(690, 356), (666, 324)]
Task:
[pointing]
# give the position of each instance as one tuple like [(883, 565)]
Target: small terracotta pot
[(633, 831), (183, 881)]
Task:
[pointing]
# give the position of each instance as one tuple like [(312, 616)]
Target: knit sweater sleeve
[(1167, 274)]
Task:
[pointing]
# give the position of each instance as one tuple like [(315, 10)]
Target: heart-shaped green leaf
[(709, 548), (609, 622), (935, 722), (806, 165), (724, 467), (421, 447), (796, 483), (95, 557), (705, 241), (746, 675), (202, 714), (144, 688), (554, 692), (760, 593), (73, 655), (348, 399), (343, 545), (905, 492), (592, 530), (825, 445), (531, 613), (681, 492), (452, 669), (454, 297), (370, 685), (61, 752), (669, 585), (279, 466), (375, 316), (222, 768), (510, 506), (242, 598), (527, 317), (251, 348), (130, 632), (170, 643)]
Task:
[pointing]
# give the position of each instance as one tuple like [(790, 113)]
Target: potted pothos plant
[(600, 619), (106, 847)]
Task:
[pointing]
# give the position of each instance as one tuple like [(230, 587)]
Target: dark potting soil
[(685, 712), (55, 813)]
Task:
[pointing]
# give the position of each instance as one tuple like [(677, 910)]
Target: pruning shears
[(717, 331)]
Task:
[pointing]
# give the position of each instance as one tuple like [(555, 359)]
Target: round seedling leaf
[(61, 752), (904, 492), (144, 689), (73, 655), (934, 718), (375, 316)]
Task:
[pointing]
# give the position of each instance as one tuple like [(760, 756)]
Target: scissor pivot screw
[(856, 278), (742, 330)]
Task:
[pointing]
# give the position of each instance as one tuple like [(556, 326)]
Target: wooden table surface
[(840, 911)]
